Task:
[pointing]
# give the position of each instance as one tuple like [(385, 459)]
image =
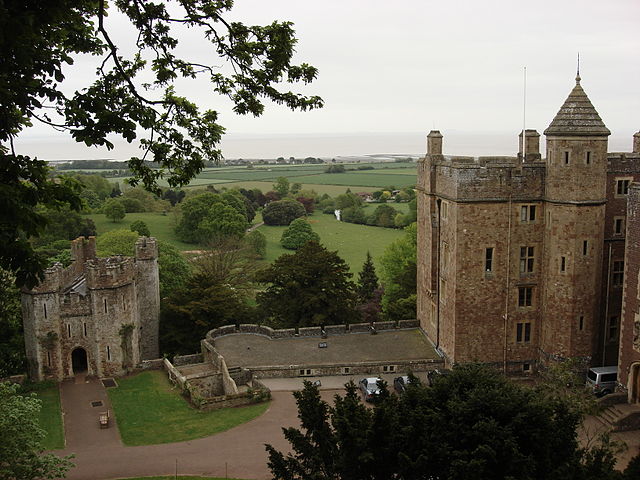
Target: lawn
[(50, 417), (350, 240), (150, 411), (161, 226)]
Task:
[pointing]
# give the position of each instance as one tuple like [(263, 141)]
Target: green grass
[(51, 418), (160, 226), (149, 411), (361, 179), (331, 190), (350, 240)]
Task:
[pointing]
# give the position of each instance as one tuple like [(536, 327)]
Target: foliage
[(282, 212), (399, 276), (21, 447), (63, 224), (383, 216), (131, 205), (117, 242), (25, 184), (150, 411), (297, 234), (215, 294), (308, 203), (309, 287), (12, 354), (132, 97), (257, 242), (354, 215), (367, 280), (114, 209), (334, 169), (281, 187), (347, 200), (208, 216), (473, 423), (140, 228), (371, 308)]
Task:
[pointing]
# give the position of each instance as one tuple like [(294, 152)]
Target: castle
[(521, 259), (99, 315)]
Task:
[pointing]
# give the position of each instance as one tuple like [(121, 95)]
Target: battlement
[(109, 272), (623, 162), (146, 248)]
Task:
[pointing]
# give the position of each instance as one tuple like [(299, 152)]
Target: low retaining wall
[(400, 367), (180, 360), (309, 331), (155, 364)]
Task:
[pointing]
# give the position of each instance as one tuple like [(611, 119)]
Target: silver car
[(369, 388)]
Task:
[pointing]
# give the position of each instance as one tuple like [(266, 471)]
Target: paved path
[(238, 453)]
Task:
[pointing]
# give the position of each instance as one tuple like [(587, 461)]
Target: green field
[(350, 240), (179, 477), (50, 418), (150, 411), (312, 176)]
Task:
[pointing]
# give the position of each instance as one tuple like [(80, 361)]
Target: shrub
[(282, 212), (141, 228), (298, 234)]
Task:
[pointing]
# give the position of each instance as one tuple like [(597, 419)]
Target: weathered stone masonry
[(99, 314), (512, 268)]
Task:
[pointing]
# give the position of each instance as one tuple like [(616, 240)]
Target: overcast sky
[(391, 71)]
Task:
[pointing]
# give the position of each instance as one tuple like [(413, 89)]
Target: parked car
[(369, 388), (432, 375), (400, 383), (602, 380)]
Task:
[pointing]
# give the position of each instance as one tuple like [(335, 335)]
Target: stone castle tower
[(520, 258), (99, 315)]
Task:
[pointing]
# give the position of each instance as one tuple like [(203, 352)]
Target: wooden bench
[(103, 419)]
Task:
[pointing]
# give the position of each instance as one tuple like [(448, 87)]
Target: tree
[(281, 187), (209, 215), (140, 228), (297, 234), (347, 200), (134, 97), (12, 354), (399, 271), (383, 216), (472, 424), (257, 242), (216, 294), (353, 215), (308, 203), (282, 212), (114, 210), (367, 280), (21, 448), (309, 287), (63, 224)]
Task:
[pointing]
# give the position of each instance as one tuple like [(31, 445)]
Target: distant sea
[(300, 146)]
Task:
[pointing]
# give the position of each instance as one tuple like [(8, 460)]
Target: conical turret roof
[(577, 117)]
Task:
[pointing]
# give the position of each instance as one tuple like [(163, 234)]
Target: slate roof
[(577, 117)]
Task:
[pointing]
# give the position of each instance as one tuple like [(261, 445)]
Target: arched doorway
[(79, 361), (634, 383)]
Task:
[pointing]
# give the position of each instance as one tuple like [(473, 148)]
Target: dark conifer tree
[(367, 280)]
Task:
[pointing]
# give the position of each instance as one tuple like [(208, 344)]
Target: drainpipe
[(438, 202), (505, 317), (606, 309)]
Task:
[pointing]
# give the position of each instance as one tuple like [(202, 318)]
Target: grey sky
[(402, 68)]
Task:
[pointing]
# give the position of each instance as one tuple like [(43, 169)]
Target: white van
[(602, 380)]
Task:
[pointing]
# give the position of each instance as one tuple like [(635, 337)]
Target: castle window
[(444, 210), (84, 328), (618, 273), (622, 186), (488, 260), (563, 264), (525, 296), (48, 359), (587, 158), (44, 308), (528, 213), (566, 158), (124, 304), (581, 323), (523, 332), (550, 157), (526, 259), (526, 367), (105, 305), (108, 353), (68, 330), (613, 328), (585, 247), (618, 225)]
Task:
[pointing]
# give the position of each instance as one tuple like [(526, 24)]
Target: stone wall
[(307, 331), (180, 360)]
